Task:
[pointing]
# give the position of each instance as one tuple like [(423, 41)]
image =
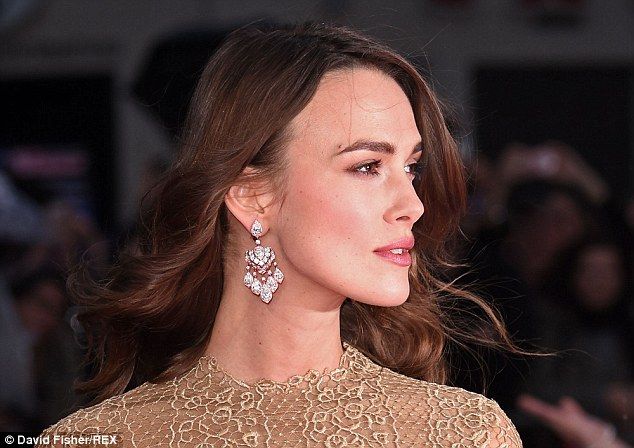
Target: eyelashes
[(371, 168)]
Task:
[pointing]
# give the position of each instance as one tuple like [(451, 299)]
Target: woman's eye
[(371, 168), (368, 168), (416, 169)]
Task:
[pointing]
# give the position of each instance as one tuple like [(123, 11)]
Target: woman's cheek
[(339, 212), (322, 217)]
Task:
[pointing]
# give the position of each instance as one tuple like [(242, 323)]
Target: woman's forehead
[(357, 104)]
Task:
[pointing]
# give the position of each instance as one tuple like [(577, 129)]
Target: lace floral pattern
[(358, 404)]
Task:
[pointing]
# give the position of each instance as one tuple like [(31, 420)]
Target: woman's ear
[(249, 199)]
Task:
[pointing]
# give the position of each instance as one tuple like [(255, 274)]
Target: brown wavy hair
[(151, 319)]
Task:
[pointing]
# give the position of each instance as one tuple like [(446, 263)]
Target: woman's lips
[(404, 259)]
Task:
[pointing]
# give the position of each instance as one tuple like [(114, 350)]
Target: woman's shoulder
[(435, 393), (109, 418), (449, 412)]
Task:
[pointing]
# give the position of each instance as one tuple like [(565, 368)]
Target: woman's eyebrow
[(382, 147)]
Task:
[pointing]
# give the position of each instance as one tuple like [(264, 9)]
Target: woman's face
[(347, 193)]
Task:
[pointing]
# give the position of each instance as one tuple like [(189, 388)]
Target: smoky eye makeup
[(367, 168), (371, 168), (418, 168)]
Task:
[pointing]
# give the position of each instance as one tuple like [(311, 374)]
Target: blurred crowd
[(551, 247), (547, 243), (40, 344)]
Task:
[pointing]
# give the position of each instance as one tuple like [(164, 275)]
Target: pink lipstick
[(397, 251), (404, 259)]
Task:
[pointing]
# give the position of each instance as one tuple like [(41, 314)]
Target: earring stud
[(261, 263)]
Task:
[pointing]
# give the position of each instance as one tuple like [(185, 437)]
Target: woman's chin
[(388, 298)]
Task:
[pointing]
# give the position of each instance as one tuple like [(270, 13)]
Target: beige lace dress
[(358, 404)]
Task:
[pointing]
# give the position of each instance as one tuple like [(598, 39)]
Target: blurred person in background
[(551, 162), (40, 358), (585, 316), (21, 225), (528, 207), (509, 265)]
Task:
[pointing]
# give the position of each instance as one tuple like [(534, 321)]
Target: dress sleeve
[(502, 430)]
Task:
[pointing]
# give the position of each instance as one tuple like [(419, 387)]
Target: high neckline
[(351, 361)]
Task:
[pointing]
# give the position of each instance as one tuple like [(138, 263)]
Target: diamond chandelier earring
[(260, 260)]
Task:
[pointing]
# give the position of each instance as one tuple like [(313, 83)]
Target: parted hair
[(151, 318)]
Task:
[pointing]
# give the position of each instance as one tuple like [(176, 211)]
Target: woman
[(304, 150)]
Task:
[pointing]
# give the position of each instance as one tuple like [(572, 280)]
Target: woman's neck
[(252, 340)]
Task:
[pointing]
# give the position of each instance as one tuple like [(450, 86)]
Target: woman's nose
[(406, 205)]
